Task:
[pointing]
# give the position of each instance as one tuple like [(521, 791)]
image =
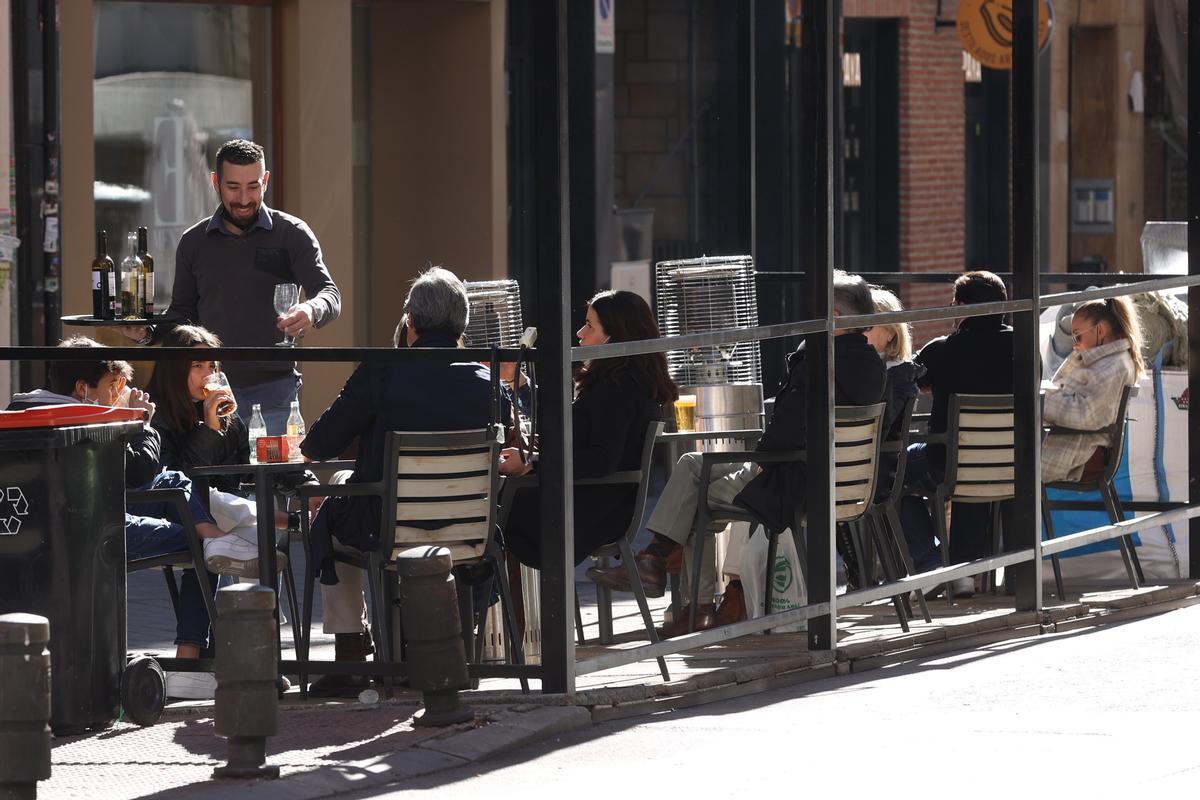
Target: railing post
[(821, 24), (24, 705), (1194, 291), (1027, 362), (554, 354)]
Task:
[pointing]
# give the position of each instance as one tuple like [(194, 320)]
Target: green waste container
[(62, 548)]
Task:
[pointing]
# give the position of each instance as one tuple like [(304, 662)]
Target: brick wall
[(932, 152)]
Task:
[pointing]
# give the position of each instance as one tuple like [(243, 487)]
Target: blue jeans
[(154, 529), (970, 523), (275, 397)]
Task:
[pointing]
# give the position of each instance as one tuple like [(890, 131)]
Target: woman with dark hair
[(615, 400), (197, 430)]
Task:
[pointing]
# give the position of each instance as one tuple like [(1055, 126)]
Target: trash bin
[(62, 548)]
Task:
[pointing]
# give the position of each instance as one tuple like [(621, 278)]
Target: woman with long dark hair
[(615, 400)]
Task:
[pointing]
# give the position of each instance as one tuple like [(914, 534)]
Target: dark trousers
[(970, 523), (154, 529)]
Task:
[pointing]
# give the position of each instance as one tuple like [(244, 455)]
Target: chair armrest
[(755, 456), (154, 495), (928, 438), (890, 447), (1061, 429), (616, 479)]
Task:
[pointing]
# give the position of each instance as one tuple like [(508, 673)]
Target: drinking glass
[(685, 413), (212, 383), (286, 297)]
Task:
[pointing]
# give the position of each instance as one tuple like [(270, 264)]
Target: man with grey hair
[(773, 491), (384, 396)]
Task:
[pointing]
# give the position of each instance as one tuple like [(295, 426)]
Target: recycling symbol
[(13, 506)]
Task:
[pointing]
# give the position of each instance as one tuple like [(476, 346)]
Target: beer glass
[(685, 413)]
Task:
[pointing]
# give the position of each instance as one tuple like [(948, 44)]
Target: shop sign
[(985, 28)]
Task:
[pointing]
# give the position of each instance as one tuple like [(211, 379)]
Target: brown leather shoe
[(651, 568), (705, 619), (732, 607), (675, 560)]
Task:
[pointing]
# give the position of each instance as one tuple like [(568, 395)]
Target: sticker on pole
[(13, 506)]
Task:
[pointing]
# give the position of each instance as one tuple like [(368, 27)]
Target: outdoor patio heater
[(495, 313), (707, 294)]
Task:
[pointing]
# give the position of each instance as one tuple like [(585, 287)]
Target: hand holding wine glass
[(286, 297)]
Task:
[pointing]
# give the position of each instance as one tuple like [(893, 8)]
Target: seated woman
[(1087, 388), (894, 345), (615, 400)]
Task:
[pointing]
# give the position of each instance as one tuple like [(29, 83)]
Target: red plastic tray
[(61, 416)]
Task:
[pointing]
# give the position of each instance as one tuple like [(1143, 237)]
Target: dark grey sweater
[(226, 283)]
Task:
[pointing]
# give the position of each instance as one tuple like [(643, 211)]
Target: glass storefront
[(173, 81)]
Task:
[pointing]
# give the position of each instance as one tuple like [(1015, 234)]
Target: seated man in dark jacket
[(380, 397), (772, 491), (975, 359)]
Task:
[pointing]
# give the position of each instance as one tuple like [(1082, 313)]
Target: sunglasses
[(1077, 337)]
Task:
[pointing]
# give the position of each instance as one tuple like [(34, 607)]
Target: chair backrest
[(896, 490), (979, 448), (1116, 435), (643, 488), (445, 492), (856, 434)]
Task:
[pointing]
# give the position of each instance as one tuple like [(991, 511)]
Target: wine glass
[(286, 297)]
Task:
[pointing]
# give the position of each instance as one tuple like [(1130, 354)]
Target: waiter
[(226, 270)]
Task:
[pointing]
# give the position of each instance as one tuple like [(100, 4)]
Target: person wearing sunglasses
[(1086, 390)]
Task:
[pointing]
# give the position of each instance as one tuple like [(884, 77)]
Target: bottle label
[(149, 294), (114, 301), (96, 280)]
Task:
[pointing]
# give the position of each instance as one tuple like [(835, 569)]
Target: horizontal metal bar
[(691, 641), (1047, 278), (936, 577), (1159, 284), (685, 436), (928, 314), (302, 354), (506, 671), (1106, 532), (706, 339), (1098, 505)]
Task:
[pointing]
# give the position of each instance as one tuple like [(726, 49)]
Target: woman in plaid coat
[(1087, 388)]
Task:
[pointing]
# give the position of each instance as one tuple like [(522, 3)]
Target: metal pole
[(554, 354), (820, 25), (1194, 291), (52, 249), (1026, 517)]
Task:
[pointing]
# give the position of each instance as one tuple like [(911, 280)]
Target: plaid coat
[(1085, 395)]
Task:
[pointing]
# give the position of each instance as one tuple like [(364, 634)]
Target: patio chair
[(857, 430), (623, 547), (979, 462), (882, 518), (442, 493), (1108, 495)]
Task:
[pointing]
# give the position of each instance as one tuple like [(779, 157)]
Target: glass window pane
[(173, 81)]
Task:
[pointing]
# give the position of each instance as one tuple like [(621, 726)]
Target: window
[(173, 81)]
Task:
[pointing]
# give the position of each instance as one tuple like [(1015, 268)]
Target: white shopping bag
[(234, 514), (789, 590)]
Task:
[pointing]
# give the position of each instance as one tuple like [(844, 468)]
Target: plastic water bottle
[(295, 432), (258, 427)]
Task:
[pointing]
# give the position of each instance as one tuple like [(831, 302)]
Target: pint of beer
[(685, 412)]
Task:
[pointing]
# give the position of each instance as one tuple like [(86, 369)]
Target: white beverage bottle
[(258, 427), (295, 432)]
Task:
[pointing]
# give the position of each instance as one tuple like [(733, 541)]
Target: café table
[(265, 475)]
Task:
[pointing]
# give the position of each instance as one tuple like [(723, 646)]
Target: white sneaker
[(231, 555), (191, 685)]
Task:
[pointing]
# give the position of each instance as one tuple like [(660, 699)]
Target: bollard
[(24, 705), (247, 700), (436, 658)]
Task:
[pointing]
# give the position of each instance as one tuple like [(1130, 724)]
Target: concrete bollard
[(247, 700), (436, 658), (24, 705)]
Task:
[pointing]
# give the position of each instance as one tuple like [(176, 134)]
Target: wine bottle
[(102, 272), (147, 272), (131, 269)]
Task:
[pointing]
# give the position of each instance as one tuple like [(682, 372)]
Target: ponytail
[(1122, 321)]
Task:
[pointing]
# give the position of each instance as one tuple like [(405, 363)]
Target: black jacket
[(142, 460), (977, 358), (381, 397), (201, 446), (608, 426), (901, 387), (777, 493)]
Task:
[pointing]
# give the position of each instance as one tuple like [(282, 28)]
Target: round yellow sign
[(985, 28)]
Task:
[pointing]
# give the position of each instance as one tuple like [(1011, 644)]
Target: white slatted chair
[(979, 462), (443, 494), (857, 433)]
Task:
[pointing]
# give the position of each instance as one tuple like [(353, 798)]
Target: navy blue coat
[(381, 397)]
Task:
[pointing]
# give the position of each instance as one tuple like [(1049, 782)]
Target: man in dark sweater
[(975, 359), (773, 491)]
